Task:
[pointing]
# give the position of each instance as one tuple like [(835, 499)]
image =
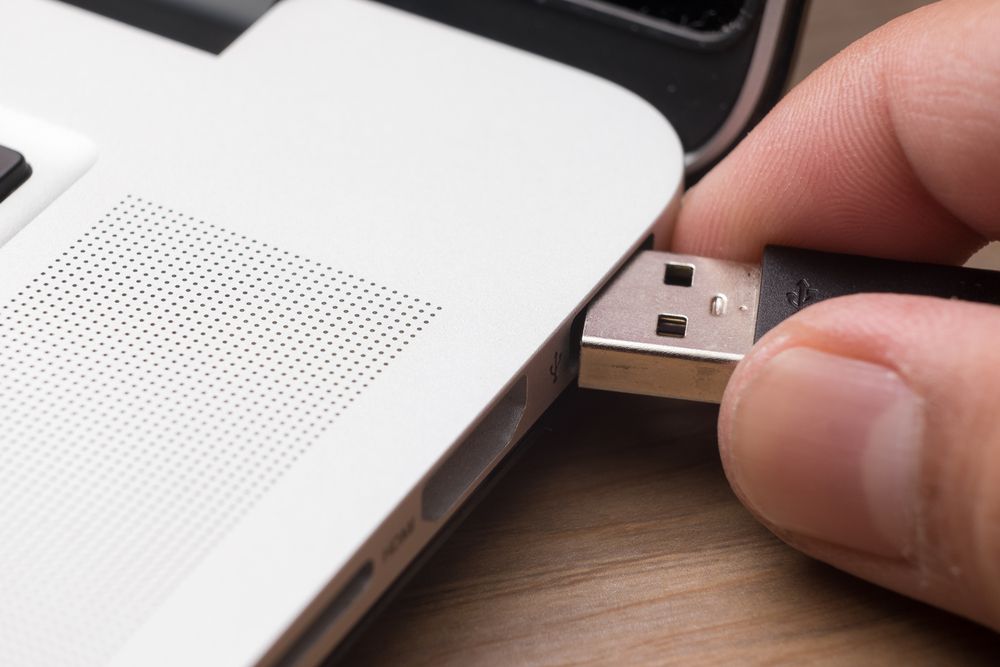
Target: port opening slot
[(329, 615), (475, 453)]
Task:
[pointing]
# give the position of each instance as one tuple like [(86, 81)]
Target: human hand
[(864, 430)]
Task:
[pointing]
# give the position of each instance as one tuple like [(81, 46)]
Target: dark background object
[(693, 14), (14, 171), (210, 25)]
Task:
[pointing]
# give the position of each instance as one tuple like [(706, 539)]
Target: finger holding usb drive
[(865, 430)]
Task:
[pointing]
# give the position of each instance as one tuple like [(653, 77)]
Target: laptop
[(281, 284)]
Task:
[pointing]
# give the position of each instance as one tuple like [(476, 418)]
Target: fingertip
[(825, 446), (862, 431)]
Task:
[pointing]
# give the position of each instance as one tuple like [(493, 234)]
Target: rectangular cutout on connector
[(679, 273), (671, 325)]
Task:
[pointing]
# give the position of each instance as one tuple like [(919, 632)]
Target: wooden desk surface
[(616, 539)]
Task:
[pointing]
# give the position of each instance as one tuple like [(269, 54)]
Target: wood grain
[(616, 540)]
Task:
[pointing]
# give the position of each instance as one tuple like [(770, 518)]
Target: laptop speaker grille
[(155, 380)]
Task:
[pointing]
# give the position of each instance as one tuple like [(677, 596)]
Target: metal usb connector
[(676, 325), (670, 325)]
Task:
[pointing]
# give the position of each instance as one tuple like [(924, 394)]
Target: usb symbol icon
[(803, 296), (554, 367)]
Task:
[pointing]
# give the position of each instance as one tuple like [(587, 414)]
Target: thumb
[(864, 432)]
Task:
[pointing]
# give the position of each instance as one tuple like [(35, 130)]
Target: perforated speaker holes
[(155, 380)]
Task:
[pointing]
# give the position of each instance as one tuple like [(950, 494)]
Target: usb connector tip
[(670, 325), (677, 325)]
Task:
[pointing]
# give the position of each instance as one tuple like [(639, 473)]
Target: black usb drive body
[(676, 325)]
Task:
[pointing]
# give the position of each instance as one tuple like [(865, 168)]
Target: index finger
[(890, 149)]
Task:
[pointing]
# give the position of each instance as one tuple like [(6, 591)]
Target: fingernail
[(827, 447)]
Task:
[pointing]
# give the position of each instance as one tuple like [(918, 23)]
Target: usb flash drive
[(676, 325)]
